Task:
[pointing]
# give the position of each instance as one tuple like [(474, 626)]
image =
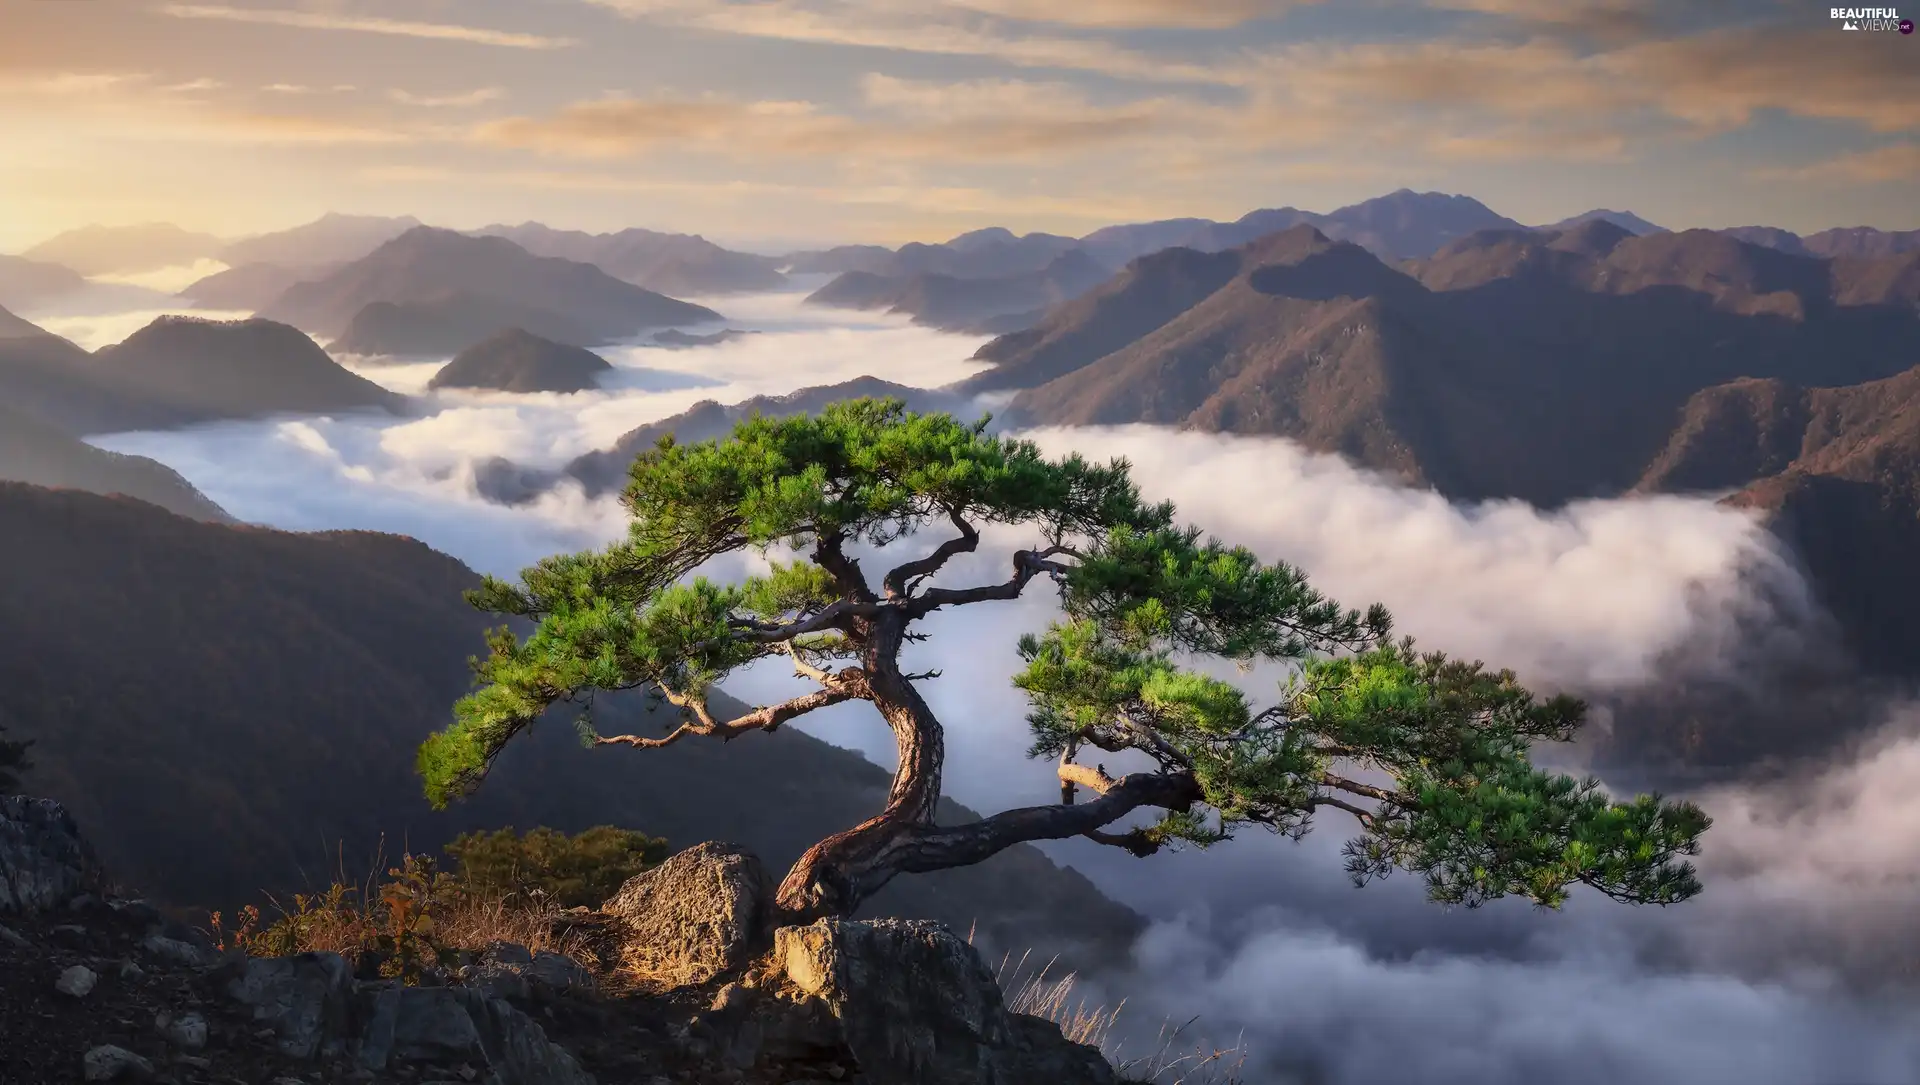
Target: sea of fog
[(1793, 968)]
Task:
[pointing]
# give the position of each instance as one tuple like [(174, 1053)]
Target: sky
[(772, 123)]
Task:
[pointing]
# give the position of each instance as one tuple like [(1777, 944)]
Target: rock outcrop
[(44, 862), (456, 1026), (917, 1006), (704, 912), (144, 997)]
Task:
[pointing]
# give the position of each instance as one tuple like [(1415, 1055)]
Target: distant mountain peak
[(1626, 220), (1291, 245), (1594, 237), (516, 360), (992, 235)]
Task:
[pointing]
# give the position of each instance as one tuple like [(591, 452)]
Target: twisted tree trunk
[(839, 872)]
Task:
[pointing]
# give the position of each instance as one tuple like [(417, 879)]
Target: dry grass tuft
[(416, 917), (1037, 993)]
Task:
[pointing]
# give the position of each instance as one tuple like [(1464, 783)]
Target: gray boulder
[(110, 1063), (448, 1026), (76, 982), (44, 862), (508, 970), (917, 1006), (307, 1000), (188, 1032), (179, 951), (705, 911)]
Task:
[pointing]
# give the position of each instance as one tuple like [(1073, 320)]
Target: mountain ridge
[(673, 264), (426, 265)]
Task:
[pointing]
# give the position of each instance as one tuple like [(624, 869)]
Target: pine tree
[(1454, 797)]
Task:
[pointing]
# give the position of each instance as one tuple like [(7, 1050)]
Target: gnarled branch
[(902, 579), (1027, 564), (961, 845), (829, 617), (768, 718), (1093, 778)]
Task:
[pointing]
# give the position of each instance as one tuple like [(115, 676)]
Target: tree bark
[(836, 874), (840, 872)]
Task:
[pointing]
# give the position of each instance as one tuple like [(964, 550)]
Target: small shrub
[(507, 887), (571, 871)]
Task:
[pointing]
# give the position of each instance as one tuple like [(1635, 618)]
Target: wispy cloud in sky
[(920, 28), (1032, 114), (478, 96), (312, 20)]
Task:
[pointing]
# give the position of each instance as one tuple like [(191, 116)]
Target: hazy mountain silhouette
[(1626, 220), (444, 326), (1400, 224), (331, 239), (35, 451), (222, 707), (25, 282), (110, 250), (993, 304), (519, 361), (14, 327), (202, 370), (249, 287), (1855, 241), (673, 337), (982, 254), (673, 264), (605, 470), (426, 268), (49, 378), (1150, 292), (839, 260)]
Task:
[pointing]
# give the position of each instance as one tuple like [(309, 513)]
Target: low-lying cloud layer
[(1788, 970)]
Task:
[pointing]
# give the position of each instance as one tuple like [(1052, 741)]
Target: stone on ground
[(702, 913)]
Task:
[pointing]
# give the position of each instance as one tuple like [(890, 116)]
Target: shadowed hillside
[(1511, 364), (51, 379), (425, 267), (248, 287), (1837, 471), (34, 451), (212, 369), (1547, 367), (955, 303), (220, 706), (25, 282), (519, 361), (674, 264)]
